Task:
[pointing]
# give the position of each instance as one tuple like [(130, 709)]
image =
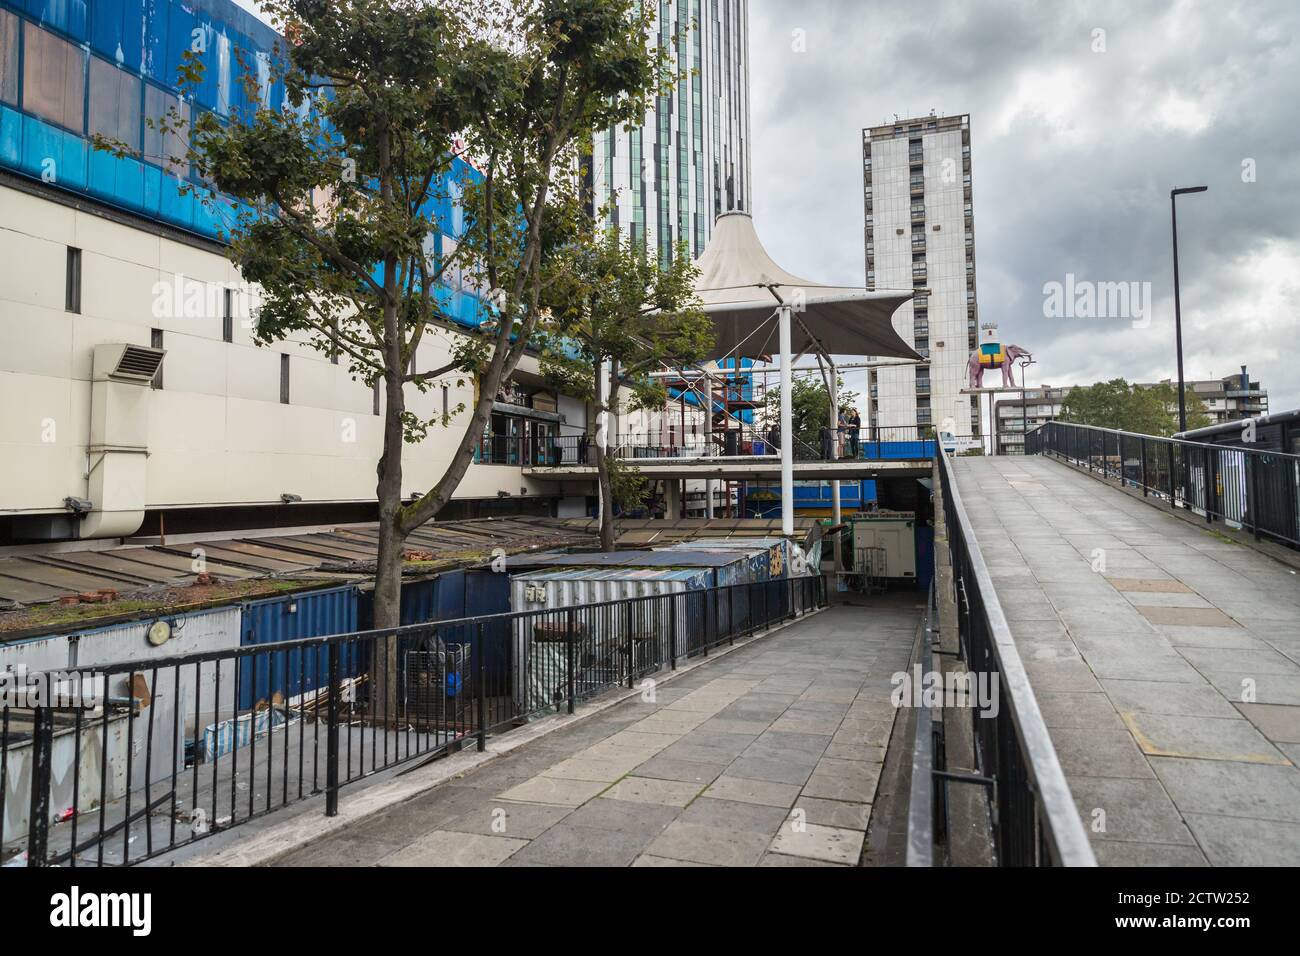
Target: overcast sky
[(1073, 154)]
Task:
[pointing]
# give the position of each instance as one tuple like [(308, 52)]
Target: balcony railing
[(832, 444), (1254, 490)]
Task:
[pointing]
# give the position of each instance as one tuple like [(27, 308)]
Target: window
[(167, 148), (375, 408), (54, 78), (446, 402), (114, 103), (72, 287), (284, 379), (156, 340), (8, 58), (227, 315)]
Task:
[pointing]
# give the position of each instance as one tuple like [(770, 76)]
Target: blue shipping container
[(289, 618)]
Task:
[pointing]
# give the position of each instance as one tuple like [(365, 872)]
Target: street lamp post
[(1178, 318), (1024, 406)]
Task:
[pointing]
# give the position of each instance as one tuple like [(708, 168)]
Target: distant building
[(1016, 416), (1227, 399), (920, 234)]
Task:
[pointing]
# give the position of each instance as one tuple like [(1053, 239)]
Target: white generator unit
[(887, 534)]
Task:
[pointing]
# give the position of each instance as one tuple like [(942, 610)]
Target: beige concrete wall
[(217, 432)]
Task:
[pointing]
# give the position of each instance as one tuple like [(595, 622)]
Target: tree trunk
[(388, 489), (604, 487)]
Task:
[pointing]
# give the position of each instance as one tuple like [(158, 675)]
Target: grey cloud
[(1073, 156)]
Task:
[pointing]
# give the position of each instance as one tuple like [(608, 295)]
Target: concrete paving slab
[(833, 813), (645, 859), (1164, 585), (575, 846), (1078, 710), (623, 815), (1259, 791), (1162, 855), (581, 767), (522, 821), (1129, 810), (735, 815), (1197, 616), (1197, 699), (1205, 738), (746, 790), (1236, 841), (1278, 722), (556, 791), (817, 842), (670, 793), (1260, 662), (446, 848), (705, 844)]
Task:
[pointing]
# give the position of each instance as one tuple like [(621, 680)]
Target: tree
[(616, 312), (1145, 410), (343, 185)]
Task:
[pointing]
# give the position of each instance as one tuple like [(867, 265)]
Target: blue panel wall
[(149, 38), (275, 620)]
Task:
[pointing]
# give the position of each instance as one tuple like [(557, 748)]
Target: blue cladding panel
[(67, 16), (150, 37), (897, 449), (269, 622)]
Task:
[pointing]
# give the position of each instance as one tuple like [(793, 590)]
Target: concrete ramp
[(1165, 659)]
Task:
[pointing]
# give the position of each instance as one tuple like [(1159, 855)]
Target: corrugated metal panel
[(603, 629), (294, 616), (778, 550)]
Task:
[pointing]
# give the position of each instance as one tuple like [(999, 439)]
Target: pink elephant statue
[(994, 355)]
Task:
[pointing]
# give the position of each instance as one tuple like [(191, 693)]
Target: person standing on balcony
[(853, 423)]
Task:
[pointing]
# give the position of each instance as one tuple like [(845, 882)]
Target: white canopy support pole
[(602, 438), (787, 427), (708, 442), (832, 387)]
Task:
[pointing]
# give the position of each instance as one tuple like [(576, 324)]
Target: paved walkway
[(1166, 661), (769, 756)]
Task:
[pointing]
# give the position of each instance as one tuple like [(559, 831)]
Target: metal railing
[(183, 747), (832, 444), (923, 810), (1255, 490), (533, 451), (1033, 817)]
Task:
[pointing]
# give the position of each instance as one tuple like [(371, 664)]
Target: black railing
[(183, 747), (925, 812), (829, 444), (1033, 818), (1255, 490), (532, 451)]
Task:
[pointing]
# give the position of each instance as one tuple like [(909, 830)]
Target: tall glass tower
[(667, 180)]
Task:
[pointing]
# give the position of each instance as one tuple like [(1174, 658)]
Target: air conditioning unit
[(127, 363)]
